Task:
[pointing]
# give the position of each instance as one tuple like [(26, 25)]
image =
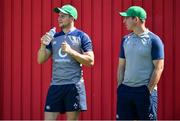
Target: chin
[(127, 28), (61, 26)]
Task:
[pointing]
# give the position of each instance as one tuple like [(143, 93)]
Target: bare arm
[(121, 70), (159, 66), (43, 53), (86, 58)]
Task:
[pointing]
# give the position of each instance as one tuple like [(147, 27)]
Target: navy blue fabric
[(62, 98), (122, 55), (157, 51), (153, 108), (135, 103)]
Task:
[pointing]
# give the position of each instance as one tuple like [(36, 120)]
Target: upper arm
[(86, 43), (122, 54), (157, 51)]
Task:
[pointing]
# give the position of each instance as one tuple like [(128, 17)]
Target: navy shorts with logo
[(66, 98), (136, 103)]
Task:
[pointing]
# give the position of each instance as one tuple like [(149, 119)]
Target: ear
[(136, 19), (72, 19)]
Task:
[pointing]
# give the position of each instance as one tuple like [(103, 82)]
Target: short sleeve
[(86, 43), (121, 53), (49, 47), (157, 51)]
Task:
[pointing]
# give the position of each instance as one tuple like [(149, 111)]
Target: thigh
[(71, 99), (76, 98), (125, 107), (72, 115), (54, 99), (50, 115), (82, 95), (142, 102), (153, 105)]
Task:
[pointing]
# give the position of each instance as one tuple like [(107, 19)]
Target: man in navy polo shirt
[(141, 62), (69, 49)]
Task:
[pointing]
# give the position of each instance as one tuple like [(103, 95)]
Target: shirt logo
[(54, 42), (62, 54)]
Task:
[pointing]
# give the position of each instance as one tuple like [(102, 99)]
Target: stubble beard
[(64, 26)]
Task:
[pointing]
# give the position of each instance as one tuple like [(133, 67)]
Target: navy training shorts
[(136, 103), (66, 98)]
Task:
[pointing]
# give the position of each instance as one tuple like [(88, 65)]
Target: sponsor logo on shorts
[(151, 116), (48, 107), (117, 116), (75, 105)]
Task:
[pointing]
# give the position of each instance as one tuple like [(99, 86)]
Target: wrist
[(70, 52), (150, 89), (43, 46)]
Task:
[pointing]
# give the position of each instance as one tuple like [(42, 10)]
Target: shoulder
[(81, 33), (154, 38), (126, 37)]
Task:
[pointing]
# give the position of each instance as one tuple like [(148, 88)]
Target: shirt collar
[(144, 34), (71, 30)]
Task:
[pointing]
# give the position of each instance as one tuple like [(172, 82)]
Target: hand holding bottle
[(48, 37)]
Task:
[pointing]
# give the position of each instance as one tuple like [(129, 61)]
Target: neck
[(140, 29), (68, 28)]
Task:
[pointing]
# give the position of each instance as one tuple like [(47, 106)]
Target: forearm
[(84, 59), (42, 55), (120, 75), (154, 79), (120, 71)]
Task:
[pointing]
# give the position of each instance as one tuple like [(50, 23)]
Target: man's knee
[(72, 115), (50, 115)]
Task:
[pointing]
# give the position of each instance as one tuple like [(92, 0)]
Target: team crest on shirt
[(75, 40)]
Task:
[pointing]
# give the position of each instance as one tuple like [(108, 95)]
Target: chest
[(136, 46), (73, 41)]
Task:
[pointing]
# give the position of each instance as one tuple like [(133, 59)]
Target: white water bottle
[(50, 33)]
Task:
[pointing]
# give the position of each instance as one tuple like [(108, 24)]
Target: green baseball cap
[(67, 9), (135, 11)]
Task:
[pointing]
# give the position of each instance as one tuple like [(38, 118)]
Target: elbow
[(39, 61), (90, 63), (161, 69)]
